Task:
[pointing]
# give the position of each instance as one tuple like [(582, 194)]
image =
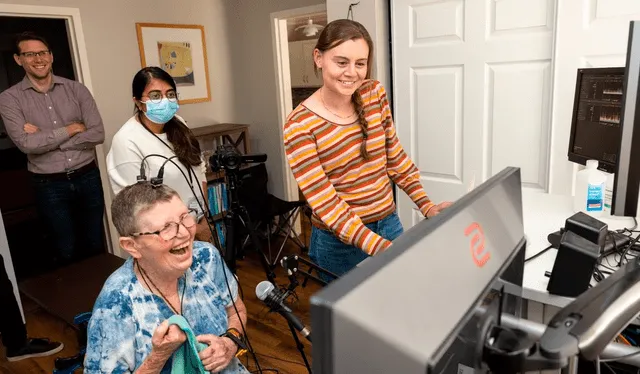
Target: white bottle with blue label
[(590, 190)]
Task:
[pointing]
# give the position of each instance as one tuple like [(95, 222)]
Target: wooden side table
[(224, 133), (212, 136)]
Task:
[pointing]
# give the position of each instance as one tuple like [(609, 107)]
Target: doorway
[(29, 246), (286, 24), (295, 33), (302, 36)]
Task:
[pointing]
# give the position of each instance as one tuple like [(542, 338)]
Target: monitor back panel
[(402, 310)]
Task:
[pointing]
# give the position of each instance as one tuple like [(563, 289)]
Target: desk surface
[(543, 214)]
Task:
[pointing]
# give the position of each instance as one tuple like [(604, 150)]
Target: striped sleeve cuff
[(424, 209), (419, 196), (373, 244)]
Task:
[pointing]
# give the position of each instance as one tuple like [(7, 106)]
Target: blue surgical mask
[(161, 112)]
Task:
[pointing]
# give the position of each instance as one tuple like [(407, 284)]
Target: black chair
[(270, 215), (69, 365)]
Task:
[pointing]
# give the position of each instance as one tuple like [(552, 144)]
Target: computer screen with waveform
[(597, 113)]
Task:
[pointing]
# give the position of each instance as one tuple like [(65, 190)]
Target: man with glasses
[(56, 122)]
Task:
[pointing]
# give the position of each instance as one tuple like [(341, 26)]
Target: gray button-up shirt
[(51, 150)]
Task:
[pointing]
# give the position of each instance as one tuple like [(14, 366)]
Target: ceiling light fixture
[(310, 29)]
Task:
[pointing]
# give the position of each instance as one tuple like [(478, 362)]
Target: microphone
[(274, 299)]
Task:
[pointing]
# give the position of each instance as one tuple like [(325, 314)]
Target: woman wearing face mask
[(155, 128), (343, 150)]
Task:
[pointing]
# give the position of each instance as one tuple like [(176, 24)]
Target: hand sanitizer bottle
[(590, 190), (608, 194)]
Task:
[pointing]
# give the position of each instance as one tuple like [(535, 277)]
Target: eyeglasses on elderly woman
[(170, 230)]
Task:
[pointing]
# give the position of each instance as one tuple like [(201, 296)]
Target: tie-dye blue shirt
[(126, 314)]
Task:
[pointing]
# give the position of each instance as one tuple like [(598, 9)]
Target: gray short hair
[(135, 199)]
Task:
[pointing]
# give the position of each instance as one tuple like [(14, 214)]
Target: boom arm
[(585, 328)]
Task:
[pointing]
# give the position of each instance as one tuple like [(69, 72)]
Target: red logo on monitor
[(479, 253)]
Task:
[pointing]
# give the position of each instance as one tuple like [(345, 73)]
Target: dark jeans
[(14, 333), (72, 210)]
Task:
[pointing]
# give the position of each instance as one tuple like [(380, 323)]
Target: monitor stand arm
[(510, 351), (583, 328)]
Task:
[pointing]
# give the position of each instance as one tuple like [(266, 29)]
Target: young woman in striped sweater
[(343, 150)]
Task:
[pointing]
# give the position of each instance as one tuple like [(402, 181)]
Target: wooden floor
[(268, 332)]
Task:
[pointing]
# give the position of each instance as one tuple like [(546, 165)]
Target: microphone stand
[(277, 307), (300, 347), (292, 265)]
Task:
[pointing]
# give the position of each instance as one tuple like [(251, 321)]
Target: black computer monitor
[(626, 185), (411, 309), (604, 128), (597, 113)]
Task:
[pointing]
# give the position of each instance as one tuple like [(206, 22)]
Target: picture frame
[(181, 51)]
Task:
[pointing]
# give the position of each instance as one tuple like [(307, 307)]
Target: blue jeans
[(72, 211), (330, 253)]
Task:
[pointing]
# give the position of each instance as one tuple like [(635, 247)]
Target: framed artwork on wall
[(181, 51)]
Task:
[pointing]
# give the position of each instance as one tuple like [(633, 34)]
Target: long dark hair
[(185, 145), (334, 34)]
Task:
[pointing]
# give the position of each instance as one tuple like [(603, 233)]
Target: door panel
[(472, 91)]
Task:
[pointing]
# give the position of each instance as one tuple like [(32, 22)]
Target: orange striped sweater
[(344, 190)]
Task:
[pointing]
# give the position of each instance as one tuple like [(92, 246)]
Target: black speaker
[(574, 265), (587, 227)]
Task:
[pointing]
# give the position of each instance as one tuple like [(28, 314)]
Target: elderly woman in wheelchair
[(173, 304)]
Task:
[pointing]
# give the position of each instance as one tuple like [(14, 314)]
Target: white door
[(472, 85), (589, 34)]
